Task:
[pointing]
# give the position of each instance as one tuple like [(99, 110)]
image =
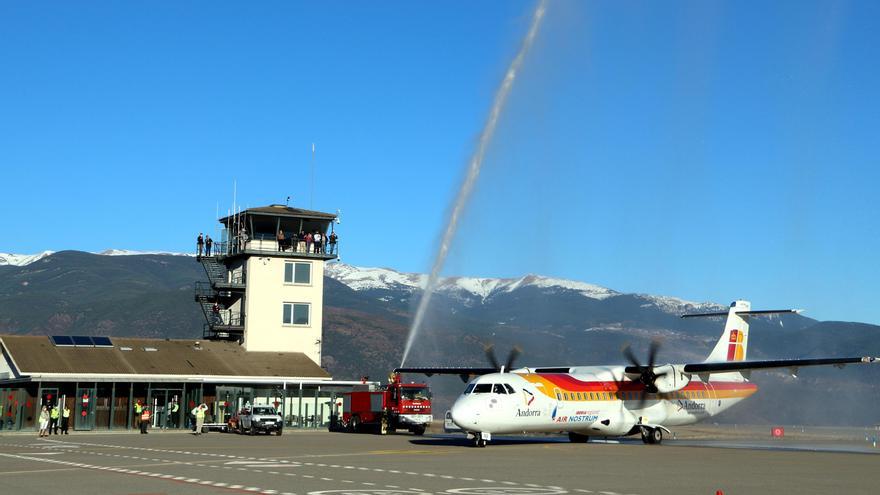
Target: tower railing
[(265, 243)]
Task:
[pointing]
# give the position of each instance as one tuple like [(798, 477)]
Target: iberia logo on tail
[(735, 346)]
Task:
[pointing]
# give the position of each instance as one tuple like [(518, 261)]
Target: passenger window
[(565, 394), (509, 388), (498, 389), (592, 397), (558, 396), (483, 388)]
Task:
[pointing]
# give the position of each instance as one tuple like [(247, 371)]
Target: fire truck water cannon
[(386, 409)]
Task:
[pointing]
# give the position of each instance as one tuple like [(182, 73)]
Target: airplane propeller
[(515, 352), (647, 375)]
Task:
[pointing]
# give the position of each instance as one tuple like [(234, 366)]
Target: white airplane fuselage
[(590, 400)]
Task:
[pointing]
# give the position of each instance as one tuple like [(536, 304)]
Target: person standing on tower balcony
[(300, 242), (319, 242), (200, 243), (331, 243), (280, 238), (309, 241), (208, 244)]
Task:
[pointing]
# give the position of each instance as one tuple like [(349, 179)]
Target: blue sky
[(713, 151)]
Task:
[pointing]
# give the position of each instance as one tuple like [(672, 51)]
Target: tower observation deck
[(265, 284)]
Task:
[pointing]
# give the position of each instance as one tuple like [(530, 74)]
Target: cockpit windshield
[(414, 393), (489, 388), (483, 388)]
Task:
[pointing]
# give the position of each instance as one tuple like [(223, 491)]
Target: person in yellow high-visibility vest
[(65, 420), (54, 414), (138, 409), (200, 418)]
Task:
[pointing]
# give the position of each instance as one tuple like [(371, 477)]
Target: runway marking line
[(195, 481), (293, 463)]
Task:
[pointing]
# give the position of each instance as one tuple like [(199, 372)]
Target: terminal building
[(261, 341)]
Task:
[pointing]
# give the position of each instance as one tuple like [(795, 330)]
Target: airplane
[(615, 400)]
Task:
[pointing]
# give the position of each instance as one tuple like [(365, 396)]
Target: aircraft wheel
[(479, 441), (656, 435), (646, 437)]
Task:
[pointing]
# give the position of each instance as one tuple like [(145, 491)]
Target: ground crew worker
[(65, 420), (200, 417), (54, 414), (145, 420)]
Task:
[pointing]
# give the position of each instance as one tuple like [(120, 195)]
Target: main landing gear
[(652, 435), (479, 439)]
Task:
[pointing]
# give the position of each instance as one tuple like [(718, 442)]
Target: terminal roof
[(132, 357)]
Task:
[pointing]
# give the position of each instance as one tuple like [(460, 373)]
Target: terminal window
[(296, 313), (298, 273)]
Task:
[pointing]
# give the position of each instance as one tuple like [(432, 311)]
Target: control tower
[(265, 284)]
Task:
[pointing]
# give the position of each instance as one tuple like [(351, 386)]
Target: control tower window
[(297, 314), (298, 273)]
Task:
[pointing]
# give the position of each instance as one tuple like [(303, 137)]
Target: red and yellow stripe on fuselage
[(570, 388)]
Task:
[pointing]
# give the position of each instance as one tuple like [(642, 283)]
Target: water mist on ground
[(473, 172)]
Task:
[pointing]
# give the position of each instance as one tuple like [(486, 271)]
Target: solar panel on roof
[(102, 342), (82, 340), (61, 340)]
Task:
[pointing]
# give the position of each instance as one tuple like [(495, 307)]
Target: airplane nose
[(463, 416)]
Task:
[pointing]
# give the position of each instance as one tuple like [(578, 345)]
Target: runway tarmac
[(321, 463)]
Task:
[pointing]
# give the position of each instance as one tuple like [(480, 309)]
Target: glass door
[(84, 414)]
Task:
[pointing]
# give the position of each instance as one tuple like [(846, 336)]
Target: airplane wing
[(460, 371), (776, 363)]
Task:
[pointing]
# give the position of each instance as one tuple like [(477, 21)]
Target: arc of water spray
[(473, 172)]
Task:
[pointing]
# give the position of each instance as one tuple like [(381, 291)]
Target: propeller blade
[(652, 352), (630, 356), (514, 353), (490, 355)]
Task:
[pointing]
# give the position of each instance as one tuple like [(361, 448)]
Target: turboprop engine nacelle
[(670, 378)]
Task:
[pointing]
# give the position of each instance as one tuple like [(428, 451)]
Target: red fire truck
[(396, 406)]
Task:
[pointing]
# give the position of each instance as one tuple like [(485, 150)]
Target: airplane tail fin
[(734, 342)]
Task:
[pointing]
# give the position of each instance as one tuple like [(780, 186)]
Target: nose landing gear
[(479, 439)]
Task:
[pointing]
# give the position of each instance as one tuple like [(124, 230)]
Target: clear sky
[(711, 151)]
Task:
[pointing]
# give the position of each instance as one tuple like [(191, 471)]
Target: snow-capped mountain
[(480, 290), (128, 252), (22, 259), (26, 259)]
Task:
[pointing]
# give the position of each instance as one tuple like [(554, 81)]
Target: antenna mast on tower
[(312, 192)]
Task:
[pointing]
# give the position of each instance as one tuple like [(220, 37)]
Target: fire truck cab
[(396, 406)]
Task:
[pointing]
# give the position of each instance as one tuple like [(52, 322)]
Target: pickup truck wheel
[(252, 431), (418, 430), (278, 432)]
